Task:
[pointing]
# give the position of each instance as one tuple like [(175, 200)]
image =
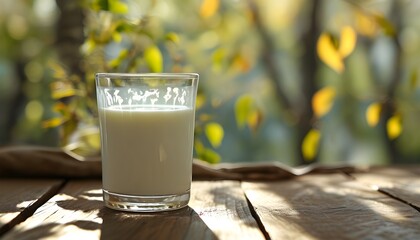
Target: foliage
[(304, 80)]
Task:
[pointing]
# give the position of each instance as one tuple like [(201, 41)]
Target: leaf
[(206, 154), (173, 37), (114, 63), (413, 80), (241, 63), (387, 27), (310, 144), (200, 101), (53, 122), (210, 156), (100, 5), (365, 24), (394, 126), (154, 58), (58, 71), (373, 114), (88, 46), (214, 133), (59, 107), (255, 119), (117, 37), (244, 107), (209, 8), (91, 138), (348, 39), (218, 57), (329, 54), (322, 101), (62, 93), (118, 7)]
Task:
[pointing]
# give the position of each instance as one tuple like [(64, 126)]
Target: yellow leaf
[(173, 37), (117, 61), (365, 24), (254, 120), (214, 133), (117, 37), (59, 106), (91, 138), (394, 127), (154, 59), (348, 39), (62, 93), (329, 54), (200, 101), (53, 122), (88, 46), (373, 114), (241, 63), (209, 8), (243, 109), (310, 144), (58, 71), (322, 101), (118, 7)]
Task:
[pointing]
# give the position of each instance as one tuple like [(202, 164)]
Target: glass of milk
[(147, 133)]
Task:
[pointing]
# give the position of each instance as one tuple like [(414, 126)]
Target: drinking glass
[(147, 133)]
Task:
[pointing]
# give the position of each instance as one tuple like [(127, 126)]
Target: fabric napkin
[(36, 161)]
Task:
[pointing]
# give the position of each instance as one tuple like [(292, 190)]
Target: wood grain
[(401, 182), (223, 208), (78, 212), (330, 207), (20, 197)]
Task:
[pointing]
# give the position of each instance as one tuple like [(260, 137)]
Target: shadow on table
[(180, 224), (327, 209), (81, 216)]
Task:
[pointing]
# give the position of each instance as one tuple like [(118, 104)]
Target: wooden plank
[(78, 212), (330, 207), (19, 199), (223, 208), (401, 182)]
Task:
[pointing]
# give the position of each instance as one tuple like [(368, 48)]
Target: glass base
[(135, 203)]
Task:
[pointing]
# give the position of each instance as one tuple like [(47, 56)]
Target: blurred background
[(293, 81)]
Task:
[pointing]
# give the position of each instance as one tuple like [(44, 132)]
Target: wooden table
[(383, 203)]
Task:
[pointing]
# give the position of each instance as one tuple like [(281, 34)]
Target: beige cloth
[(33, 161)]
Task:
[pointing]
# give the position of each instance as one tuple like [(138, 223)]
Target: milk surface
[(147, 150)]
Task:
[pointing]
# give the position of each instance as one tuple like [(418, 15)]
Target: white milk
[(147, 150)]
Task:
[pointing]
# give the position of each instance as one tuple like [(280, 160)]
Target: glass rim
[(149, 75)]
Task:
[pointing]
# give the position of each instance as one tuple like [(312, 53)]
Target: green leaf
[(413, 80), (173, 37), (206, 154), (118, 7), (100, 5), (214, 133), (154, 58), (387, 27), (210, 156), (244, 108)]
